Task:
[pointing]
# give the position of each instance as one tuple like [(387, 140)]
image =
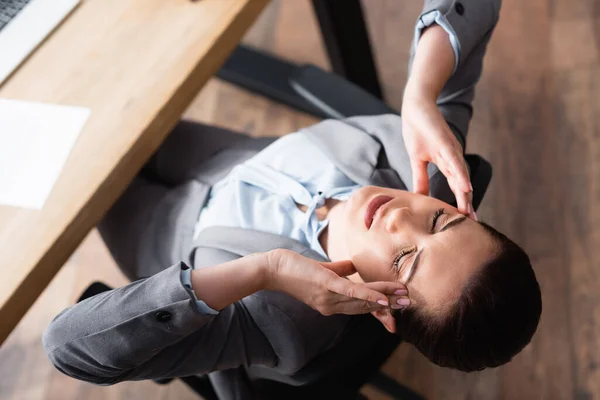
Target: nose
[(397, 218)]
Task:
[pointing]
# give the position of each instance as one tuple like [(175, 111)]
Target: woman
[(269, 231)]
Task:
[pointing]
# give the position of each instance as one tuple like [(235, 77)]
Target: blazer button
[(460, 9), (163, 316)]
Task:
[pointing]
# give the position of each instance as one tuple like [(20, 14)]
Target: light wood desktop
[(136, 64)]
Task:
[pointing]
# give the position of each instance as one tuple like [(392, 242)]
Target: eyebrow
[(452, 223), (413, 267), (415, 263)]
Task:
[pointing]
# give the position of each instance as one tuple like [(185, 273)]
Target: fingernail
[(401, 292), (404, 302), (383, 302), (471, 186), (475, 215)]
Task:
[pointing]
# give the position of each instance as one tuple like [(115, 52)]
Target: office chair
[(339, 377)]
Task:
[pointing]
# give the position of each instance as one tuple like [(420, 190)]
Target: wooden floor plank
[(578, 122)]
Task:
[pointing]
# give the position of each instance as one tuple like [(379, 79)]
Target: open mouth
[(373, 207)]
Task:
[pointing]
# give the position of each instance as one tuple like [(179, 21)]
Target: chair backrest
[(367, 341), (365, 347), (343, 369), (338, 98)]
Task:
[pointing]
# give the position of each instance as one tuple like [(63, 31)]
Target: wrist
[(259, 263), (416, 91), (269, 269), (416, 100), (221, 285)]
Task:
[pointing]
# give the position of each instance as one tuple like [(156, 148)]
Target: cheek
[(371, 264)]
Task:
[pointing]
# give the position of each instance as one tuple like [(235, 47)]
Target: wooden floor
[(537, 119)]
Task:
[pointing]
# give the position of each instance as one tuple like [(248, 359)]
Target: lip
[(372, 208)]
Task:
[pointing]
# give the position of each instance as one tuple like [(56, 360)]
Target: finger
[(387, 319), (462, 202), (397, 295), (396, 302), (442, 165), (388, 288), (399, 302), (420, 177), (472, 212), (458, 166), (355, 307), (461, 197), (357, 291), (341, 268)]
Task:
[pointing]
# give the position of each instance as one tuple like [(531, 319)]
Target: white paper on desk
[(35, 141)]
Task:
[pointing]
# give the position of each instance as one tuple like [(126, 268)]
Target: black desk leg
[(347, 41)]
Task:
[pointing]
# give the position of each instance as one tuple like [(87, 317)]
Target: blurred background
[(537, 120)]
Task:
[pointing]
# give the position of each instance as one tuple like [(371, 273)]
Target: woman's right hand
[(428, 138), (426, 133), (322, 286)]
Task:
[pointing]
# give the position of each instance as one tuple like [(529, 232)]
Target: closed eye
[(436, 216), (396, 265), (402, 255)]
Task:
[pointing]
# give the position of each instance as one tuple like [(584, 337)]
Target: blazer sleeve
[(469, 24), (152, 328)]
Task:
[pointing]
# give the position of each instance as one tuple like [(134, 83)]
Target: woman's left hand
[(321, 285)]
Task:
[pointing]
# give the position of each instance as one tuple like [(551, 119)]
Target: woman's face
[(423, 242)]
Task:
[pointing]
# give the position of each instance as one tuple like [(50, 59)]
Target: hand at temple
[(322, 286), (427, 136)]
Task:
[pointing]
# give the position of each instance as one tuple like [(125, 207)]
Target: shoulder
[(296, 332)]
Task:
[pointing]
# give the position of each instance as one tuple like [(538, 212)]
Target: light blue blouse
[(263, 192)]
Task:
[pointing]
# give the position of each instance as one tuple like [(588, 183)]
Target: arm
[(154, 328), (468, 33), (469, 21), (432, 65), (222, 285), (446, 63)]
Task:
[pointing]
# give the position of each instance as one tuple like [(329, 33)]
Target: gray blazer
[(152, 328)]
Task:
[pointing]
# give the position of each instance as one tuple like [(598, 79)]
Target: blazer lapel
[(370, 150), (239, 242), (356, 151)]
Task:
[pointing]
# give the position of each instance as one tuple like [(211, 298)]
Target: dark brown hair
[(493, 319)]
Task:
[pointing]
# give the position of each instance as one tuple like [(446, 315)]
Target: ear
[(386, 318)]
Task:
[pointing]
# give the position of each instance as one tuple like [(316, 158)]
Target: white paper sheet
[(35, 141)]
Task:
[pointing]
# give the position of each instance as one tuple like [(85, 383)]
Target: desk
[(137, 64)]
